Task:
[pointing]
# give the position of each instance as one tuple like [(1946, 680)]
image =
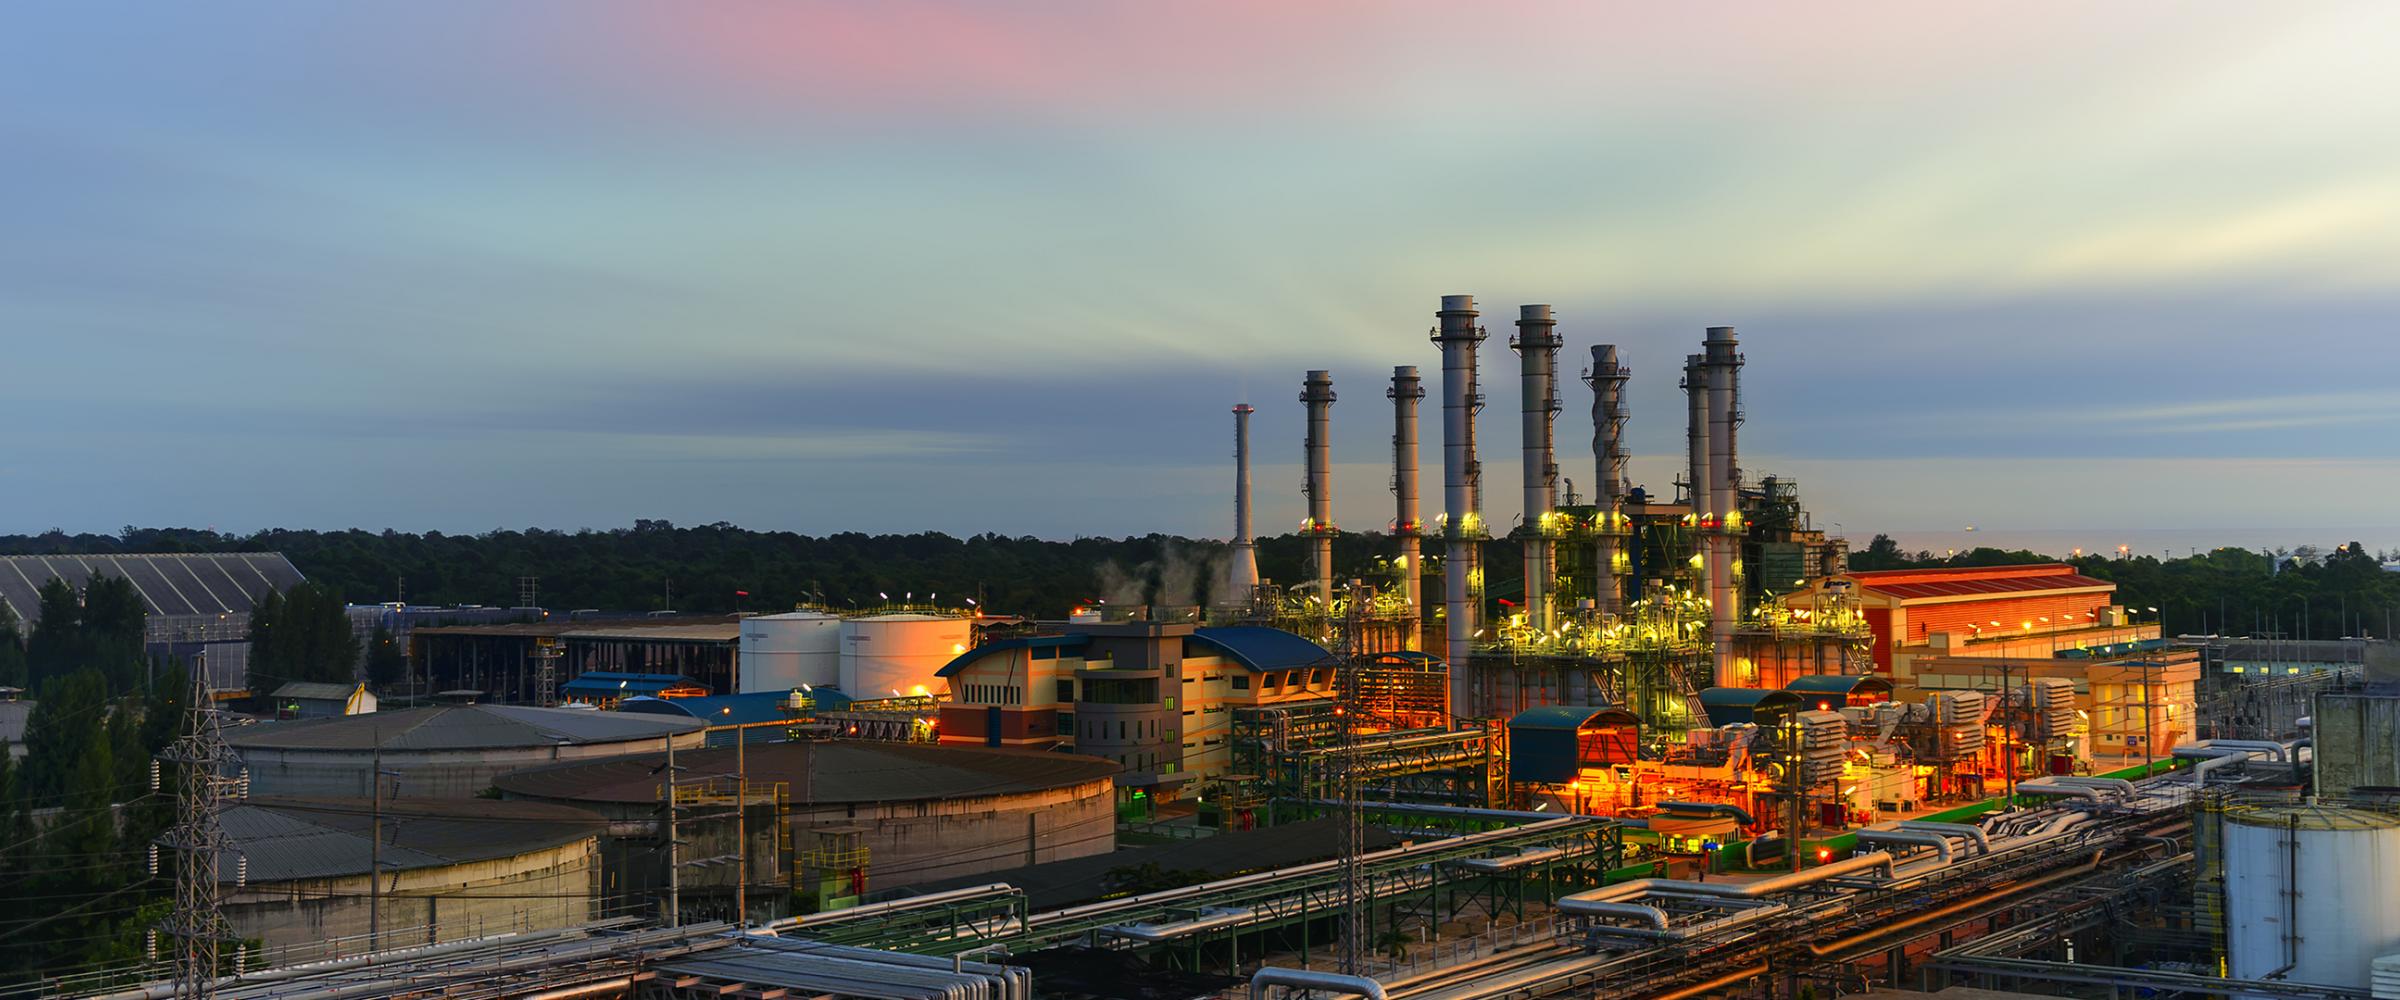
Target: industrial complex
[(1632, 745)]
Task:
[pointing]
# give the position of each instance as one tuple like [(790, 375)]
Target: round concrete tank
[(883, 654), (2307, 887), (782, 652)]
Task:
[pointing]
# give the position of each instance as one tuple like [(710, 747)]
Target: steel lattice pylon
[(205, 769)]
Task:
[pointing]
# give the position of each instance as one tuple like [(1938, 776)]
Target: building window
[(1241, 682), (1066, 690)]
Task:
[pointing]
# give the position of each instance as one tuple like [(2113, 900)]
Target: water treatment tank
[(882, 654), (782, 652), (2316, 888)]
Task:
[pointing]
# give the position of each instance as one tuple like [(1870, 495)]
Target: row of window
[(1143, 729), (993, 694)]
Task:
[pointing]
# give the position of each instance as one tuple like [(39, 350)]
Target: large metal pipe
[(1724, 485), (1462, 526), (1880, 861), (1241, 577), (1317, 394), (1713, 985), (1896, 835), (1608, 452), (1310, 979), (1973, 833), (1408, 522), (1537, 345)]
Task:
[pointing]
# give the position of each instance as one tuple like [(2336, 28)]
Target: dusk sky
[(2073, 273)]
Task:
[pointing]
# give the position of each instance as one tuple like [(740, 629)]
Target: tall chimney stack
[(1462, 527), (1241, 577), (1725, 480), (1608, 452), (1317, 394), (1408, 523), (1695, 393), (1537, 345)]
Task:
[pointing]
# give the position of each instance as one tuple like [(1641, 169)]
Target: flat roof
[(458, 727), (181, 584), (720, 631), (1086, 879), (1976, 581), (818, 773), (299, 838)]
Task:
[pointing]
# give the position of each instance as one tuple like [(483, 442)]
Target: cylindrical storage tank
[(900, 653), (2310, 887), (782, 652)]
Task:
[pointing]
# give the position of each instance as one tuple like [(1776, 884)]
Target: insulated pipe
[(1241, 577), (1408, 523), (1462, 527), (1608, 452), (1308, 979), (1976, 834), (1823, 949), (2117, 785), (1724, 487), (605, 987), (2036, 787), (2280, 752), (2200, 770), (1317, 394), (1895, 835), (1710, 808), (1712, 985), (1537, 346), (1622, 891)]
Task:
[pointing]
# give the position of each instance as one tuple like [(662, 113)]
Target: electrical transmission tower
[(206, 778)]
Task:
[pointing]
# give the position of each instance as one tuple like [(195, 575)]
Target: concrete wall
[(321, 918), (449, 774), (907, 842), (2357, 742)]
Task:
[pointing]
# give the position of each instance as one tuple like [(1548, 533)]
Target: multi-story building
[(1154, 697), (2009, 612)]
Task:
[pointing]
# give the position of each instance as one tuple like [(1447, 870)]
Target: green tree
[(387, 662), (13, 672), (302, 634), (53, 650)]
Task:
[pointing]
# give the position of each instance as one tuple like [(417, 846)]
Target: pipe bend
[(1311, 979)]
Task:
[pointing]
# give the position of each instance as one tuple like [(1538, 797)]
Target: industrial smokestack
[(1462, 527), (1608, 452), (1317, 394), (1695, 393), (1241, 578), (1537, 351), (1408, 524), (1724, 483)]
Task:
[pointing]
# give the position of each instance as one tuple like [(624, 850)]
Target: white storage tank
[(902, 652), (782, 652), (2313, 887)]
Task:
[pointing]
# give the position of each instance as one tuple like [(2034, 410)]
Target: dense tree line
[(705, 568), (301, 634), (2294, 593)]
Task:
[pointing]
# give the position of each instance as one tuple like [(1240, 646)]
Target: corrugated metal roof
[(314, 691), (1727, 706), (1558, 718), (171, 584), (1071, 640), (725, 631), (839, 771), (296, 838), (1261, 648), (458, 727), (612, 683), (748, 709), (1844, 685), (1910, 585)]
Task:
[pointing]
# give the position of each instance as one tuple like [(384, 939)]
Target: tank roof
[(299, 838), (458, 727), (833, 772), (2313, 817)]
